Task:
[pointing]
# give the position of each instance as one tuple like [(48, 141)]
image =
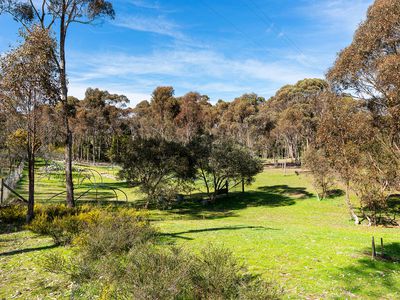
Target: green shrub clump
[(12, 214), (65, 224), (120, 257)]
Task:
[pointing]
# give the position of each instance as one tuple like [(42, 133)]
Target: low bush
[(60, 222), (120, 257), (114, 233), (65, 224), (12, 214)]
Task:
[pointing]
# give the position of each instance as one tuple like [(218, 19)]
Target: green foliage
[(323, 180), (222, 161), (120, 258), (156, 166), (216, 274), (12, 214), (65, 224), (60, 222), (114, 233)]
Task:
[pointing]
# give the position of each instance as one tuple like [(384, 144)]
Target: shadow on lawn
[(11, 228), (268, 196), (380, 271), (227, 228), (20, 251)]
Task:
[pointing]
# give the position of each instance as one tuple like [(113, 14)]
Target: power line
[(237, 29), (269, 22)]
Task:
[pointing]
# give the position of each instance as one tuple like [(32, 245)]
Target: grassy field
[(278, 228)]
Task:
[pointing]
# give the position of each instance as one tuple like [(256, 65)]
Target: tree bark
[(350, 206), (64, 98), (31, 186)]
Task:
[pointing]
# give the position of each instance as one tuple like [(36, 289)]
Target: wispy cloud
[(338, 14), (188, 63), (202, 70), (79, 89), (146, 4), (158, 25)]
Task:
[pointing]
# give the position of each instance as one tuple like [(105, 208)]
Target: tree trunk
[(64, 99), (350, 206), (31, 186), (94, 152), (242, 185), (68, 168)]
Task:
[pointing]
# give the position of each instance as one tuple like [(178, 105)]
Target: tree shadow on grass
[(107, 203), (293, 192), (268, 196), (11, 228), (180, 235), (379, 272), (335, 193), (20, 251)]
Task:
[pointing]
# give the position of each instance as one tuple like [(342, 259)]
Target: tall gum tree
[(28, 82), (57, 16), (369, 67)]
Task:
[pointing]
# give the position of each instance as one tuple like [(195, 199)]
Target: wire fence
[(11, 181)]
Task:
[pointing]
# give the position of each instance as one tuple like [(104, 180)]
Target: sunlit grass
[(278, 228)]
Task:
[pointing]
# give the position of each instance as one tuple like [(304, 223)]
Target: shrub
[(216, 274), (119, 257), (12, 214), (255, 288), (65, 224), (115, 233), (58, 221)]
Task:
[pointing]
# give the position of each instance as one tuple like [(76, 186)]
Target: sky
[(220, 48)]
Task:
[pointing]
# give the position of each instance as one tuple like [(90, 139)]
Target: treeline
[(280, 127)]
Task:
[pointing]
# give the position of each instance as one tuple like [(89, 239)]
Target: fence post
[(373, 248), (1, 191)]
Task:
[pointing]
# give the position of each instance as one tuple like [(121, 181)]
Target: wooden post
[(382, 247), (1, 191), (373, 248)]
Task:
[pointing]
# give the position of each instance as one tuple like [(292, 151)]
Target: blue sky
[(222, 48)]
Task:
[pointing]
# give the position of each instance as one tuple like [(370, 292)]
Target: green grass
[(278, 228), (91, 184), (21, 273)]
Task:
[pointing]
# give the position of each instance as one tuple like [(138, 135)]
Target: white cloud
[(158, 25), (146, 4), (339, 14), (202, 70), (78, 90), (187, 63)]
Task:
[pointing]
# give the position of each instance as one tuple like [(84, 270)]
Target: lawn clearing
[(279, 229)]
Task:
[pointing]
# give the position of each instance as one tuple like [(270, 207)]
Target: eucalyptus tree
[(99, 119), (223, 163), (190, 119), (28, 82), (158, 167), (343, 135), (58, 16), (164, 109), (238, 120), (369, 67)]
